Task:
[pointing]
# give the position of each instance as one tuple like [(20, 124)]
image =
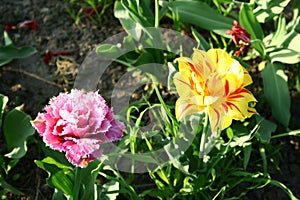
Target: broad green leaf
[(3, 102), (200, 14), (8, 53), (17, 129), (58, 195), (293, 35), (131, 18), (277, 92), (280, 32), (58, 158), (250, 23), (109, 50), (61, 179), (84, 187), (288, 56), (122, 14), (110, 187), (266, 128), (52, 161), (267, 9)]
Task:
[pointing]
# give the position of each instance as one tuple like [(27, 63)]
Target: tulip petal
[(186, 107)]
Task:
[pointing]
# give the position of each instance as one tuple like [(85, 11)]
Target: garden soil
[(31, 82)]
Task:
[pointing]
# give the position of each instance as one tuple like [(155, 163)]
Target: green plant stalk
[(291, 133), (204, 133), (156, 24), (76, 187)]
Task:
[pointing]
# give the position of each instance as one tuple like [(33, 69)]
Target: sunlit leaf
[(280, 32), (17, 129), (61, 179), (277, 92), (200, 14), (7, 40), (3, 102), (109, 50), (288, 56), (267, 9)]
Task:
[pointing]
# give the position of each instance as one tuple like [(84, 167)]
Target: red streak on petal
[(191, 66), (185, 83), (233, 105), (226, 87), (218, 116)]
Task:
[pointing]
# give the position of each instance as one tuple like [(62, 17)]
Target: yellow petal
[(183, 86), (237, 105), (216, 116), (247, 78), (186, 107), (204, 65)]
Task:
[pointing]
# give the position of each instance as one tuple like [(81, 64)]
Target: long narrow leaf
[(200, 14), (250, 23), (277, 92)]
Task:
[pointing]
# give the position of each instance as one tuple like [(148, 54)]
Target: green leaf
[(59, 178), (202, 43), (277, 92), (130, 18), (293, 36), (3, 102), (7, 40), (8, 53), (265, 130), (247, 153), (110, 187), (288, 56), (109, 50), (17, 128), (280, 32), (63, 181), (267, 9), (58, 195), (202, 15), (250, 23), (9, 187)]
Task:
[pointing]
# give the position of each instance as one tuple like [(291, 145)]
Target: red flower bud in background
[(9, 27), (240, 37), (49, 54), (91, 11), (27, 24)]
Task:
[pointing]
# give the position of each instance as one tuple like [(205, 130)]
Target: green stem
[(156, 25), (291, 133), (76, 187), (204, 134)]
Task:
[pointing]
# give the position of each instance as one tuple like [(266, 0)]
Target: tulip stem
[(204, 135)]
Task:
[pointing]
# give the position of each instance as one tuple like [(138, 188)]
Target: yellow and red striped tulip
[(216, 81)]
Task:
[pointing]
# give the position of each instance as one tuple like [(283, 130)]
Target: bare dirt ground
[(32, 82)]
